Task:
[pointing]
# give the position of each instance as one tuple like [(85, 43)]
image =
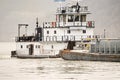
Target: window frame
[(68, 31), (84, 31), (55, 32), (47, 31)]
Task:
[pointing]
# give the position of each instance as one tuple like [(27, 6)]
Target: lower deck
[(39, 48)]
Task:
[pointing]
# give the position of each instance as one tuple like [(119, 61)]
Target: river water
[(53, 69)]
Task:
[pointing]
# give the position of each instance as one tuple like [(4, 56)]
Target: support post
[(104, 33), (116, 48), (104, 48)]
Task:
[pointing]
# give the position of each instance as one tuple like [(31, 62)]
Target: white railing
[(49, 24), (71, 10), (60, 38), (89, 24), (70, 38)]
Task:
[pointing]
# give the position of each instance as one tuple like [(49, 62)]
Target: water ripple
[(57, 69)]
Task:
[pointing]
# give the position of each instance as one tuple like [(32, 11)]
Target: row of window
[(68, 31), (72, 18), (55, 32), (37, 46), (28, 46), (81, 18)]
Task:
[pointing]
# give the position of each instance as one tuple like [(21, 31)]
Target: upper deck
[(71, 24), (73, 10)]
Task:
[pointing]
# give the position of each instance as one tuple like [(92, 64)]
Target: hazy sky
[(105, 13)]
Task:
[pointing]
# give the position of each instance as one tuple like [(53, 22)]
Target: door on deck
[(31, 49)]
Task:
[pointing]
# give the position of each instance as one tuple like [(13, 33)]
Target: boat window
[(83, 18), (55, 32), (84, 31), (85, 45), (77, 18), (27, 46), (52, 46), (38, 46), (21, 46), (47, 32), (89, 36), (70, 18), (68, 31)]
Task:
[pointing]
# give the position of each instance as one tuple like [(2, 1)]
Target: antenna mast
[(37, 22), (104, 33)]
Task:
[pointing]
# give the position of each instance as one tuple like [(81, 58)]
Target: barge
[(102, 50)]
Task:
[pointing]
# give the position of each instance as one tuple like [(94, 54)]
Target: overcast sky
[(105, 13)]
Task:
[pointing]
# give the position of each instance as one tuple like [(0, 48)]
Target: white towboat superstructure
[(71, 25)]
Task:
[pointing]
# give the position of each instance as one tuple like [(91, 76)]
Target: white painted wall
[(64, 32), (25, 50), (46, 48)]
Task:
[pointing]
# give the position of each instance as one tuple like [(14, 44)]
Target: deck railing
[(88, 24), (58, 38), (106, 46), (71, 10)]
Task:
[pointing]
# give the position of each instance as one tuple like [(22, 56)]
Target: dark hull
[(13, 54), (67, 55)]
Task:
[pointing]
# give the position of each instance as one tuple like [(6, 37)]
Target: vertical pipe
[(26, 30), (104, 33), (59, 20), (36, 22), (79, 20), (95, 47), (99, 47), (110, 51), (73, 20), (74, 38), (18, 30), (104, 48), (115, 47)]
